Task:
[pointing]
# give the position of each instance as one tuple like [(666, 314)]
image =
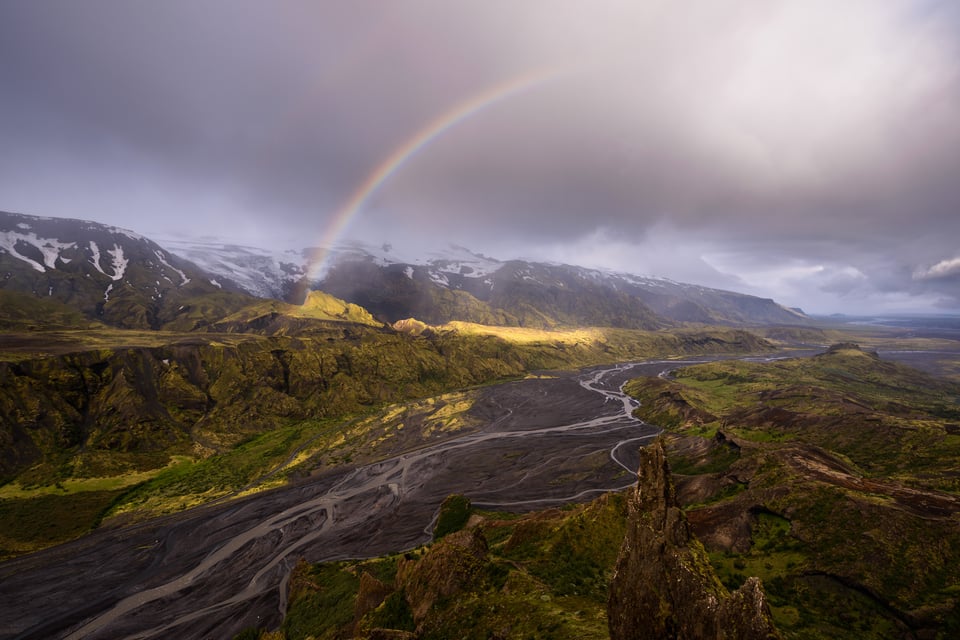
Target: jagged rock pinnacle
[(664, 586)]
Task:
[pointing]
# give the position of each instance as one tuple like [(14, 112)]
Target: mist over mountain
[(458, 284), (124, 279), (259, 272)]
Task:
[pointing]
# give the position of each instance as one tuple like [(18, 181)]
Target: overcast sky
[(807, 151)]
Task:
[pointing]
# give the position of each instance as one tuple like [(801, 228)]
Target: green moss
[(33, 523), (716, 460), (251, 459), (394, 613), (552, 584), (829, 446), (574, 556), (321, 601), (884, 417), (454, 514)]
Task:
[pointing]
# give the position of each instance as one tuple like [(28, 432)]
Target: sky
[(807, 151)]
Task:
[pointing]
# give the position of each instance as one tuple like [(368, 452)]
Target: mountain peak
[(458, 284)]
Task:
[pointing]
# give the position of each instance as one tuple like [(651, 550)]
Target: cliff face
[(664, 586), (102, 406)]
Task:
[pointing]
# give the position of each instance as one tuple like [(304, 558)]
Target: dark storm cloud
[(805, 150), (210, 91)]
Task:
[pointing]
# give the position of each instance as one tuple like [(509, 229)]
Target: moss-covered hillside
[(833, 478), (100, 421), (96, 420)]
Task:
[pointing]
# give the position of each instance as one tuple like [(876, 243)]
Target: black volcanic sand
[(213, 571)]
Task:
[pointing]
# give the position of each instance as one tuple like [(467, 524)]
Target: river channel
[(213, 571)]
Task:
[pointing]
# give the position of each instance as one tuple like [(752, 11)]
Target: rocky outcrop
[(664, 586), (452, 566), (370, 595)]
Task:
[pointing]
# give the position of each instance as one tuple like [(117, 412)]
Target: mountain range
[(145, 377), (123, 279)]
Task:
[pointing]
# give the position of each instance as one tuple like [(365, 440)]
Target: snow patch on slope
[(118, 262), (261, 272), (453, 260), (48, 247), (183, 277), (95, 260)]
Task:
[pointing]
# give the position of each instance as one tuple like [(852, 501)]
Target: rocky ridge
[(461, 285), (664, 586)]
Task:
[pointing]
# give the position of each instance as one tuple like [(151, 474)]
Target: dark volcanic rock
[(664, 586)]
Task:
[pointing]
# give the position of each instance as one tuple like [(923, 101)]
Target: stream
[(216, 570)]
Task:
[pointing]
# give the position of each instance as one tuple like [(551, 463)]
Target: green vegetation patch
[(454, 514), (888, 419), (321, 601), (714, 460), (191, 482), (33, 523), (845, 490)]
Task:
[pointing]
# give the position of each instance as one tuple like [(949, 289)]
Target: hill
[(833, 478)]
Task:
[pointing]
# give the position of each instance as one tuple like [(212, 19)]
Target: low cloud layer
[(941, 270), (800, 150)]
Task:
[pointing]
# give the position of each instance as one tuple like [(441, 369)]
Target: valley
[(473, 321), (523, 446), (218, 569), (180, 457)]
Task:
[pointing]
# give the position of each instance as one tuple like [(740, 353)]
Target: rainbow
[(409, 149)]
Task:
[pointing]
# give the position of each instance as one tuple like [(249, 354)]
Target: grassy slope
[(21, 312), (834, 480)]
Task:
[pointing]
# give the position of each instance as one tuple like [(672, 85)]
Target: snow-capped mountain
[(259, 272), (110, 274), (125, 279), (455, 283), (459, 284)]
